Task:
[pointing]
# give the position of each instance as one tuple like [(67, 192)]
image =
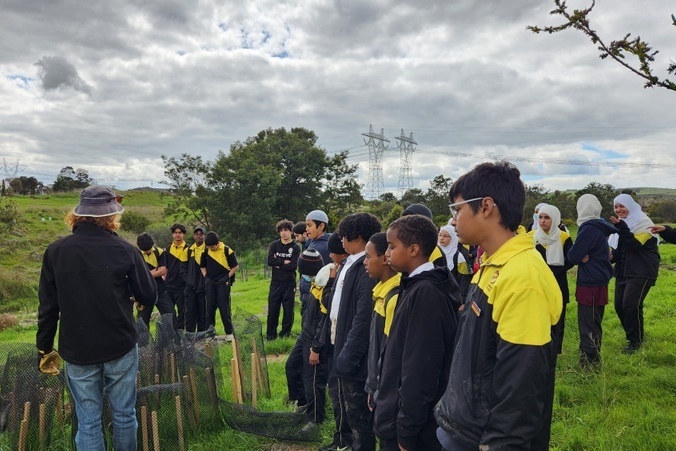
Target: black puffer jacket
[(636, 256)]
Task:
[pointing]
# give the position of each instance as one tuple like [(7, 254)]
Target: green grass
[(628, 404)]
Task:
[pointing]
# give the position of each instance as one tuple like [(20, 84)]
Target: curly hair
[(359, 225), (416, 229), (110, 223), (284, 224)]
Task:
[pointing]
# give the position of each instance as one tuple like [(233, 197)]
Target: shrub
[(134, 222), (9, 214)]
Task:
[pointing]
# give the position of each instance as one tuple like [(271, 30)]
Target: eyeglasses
[(454, 207)]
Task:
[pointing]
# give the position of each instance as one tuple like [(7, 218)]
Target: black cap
[(417, 209), (201, 229), (335, 244)]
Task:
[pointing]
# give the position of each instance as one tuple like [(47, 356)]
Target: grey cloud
[(56, 72)]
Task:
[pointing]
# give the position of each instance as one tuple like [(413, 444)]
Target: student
[(219, 265), (637, 262), (438, 258), (350, 317), (500, 382), (300, 235), (554, 245), (419, 349), (282, 258), (156, 260), (591, 254), (385, 295), (85, 283), (316, 223), (321, 350), (177, 258), (448, 243), (195, 294), (306, 382)]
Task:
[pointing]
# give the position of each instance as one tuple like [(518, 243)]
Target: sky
[(110, 87)]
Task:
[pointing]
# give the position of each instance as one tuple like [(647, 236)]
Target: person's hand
[(585, 259), (49, 362), (314, 358), (368, 402), (615, 219), (401, 448), (286, 262), (657, 229)]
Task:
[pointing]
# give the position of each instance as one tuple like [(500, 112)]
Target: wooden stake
[(238, 360), (233, 364), (189, 402), (179, 423), (23, 434), (157, 392), (193, 384), (208, 350), (42, 425), (156, 432), (144, 428), (172, 358), (254, 380), (211, 382)]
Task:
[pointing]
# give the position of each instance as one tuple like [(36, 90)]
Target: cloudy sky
[(111, 86)]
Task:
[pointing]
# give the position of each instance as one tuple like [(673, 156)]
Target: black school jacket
[(417, 359), (351, 345)]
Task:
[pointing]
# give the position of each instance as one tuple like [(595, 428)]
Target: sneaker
[(300, 409), (335, 447), (632, 348), (229, 337)]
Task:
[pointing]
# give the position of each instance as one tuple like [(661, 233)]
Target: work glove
[(49, 362)]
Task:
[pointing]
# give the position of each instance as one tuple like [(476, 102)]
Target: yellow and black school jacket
[(438, 257), (177, 257), (193, 275), (219, 262), (636, 256), (499, 377), (154, 260)]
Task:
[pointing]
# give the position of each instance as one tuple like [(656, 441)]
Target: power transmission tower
[(376, 144), (406, 149)]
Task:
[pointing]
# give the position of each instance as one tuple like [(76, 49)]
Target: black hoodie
[(417, 359)]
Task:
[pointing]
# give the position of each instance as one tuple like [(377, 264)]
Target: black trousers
[(163, 305), (589, 320), (342, 436), (218, 297), (177, 298), (558, 329), (360, 418), (307, 383), (195, 310), (629, 297), (294, 374), (281, 295)]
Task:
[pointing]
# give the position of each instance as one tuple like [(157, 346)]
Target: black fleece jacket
[(85, 283), (417, 359)]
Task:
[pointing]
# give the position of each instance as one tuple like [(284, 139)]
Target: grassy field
[(628, 404)]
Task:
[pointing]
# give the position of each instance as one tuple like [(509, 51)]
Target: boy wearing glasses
[(501, 383)]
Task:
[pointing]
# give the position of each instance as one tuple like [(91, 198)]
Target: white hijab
[(636, 220), (552, 240), (588, 208), (535, 219), (452, 247)]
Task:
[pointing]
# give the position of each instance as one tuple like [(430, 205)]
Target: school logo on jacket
[(494, 277)]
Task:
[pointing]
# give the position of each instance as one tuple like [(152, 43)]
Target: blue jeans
[(87, 383)]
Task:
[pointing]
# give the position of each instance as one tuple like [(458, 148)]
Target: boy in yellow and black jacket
[(501, 382), (219, 265)]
